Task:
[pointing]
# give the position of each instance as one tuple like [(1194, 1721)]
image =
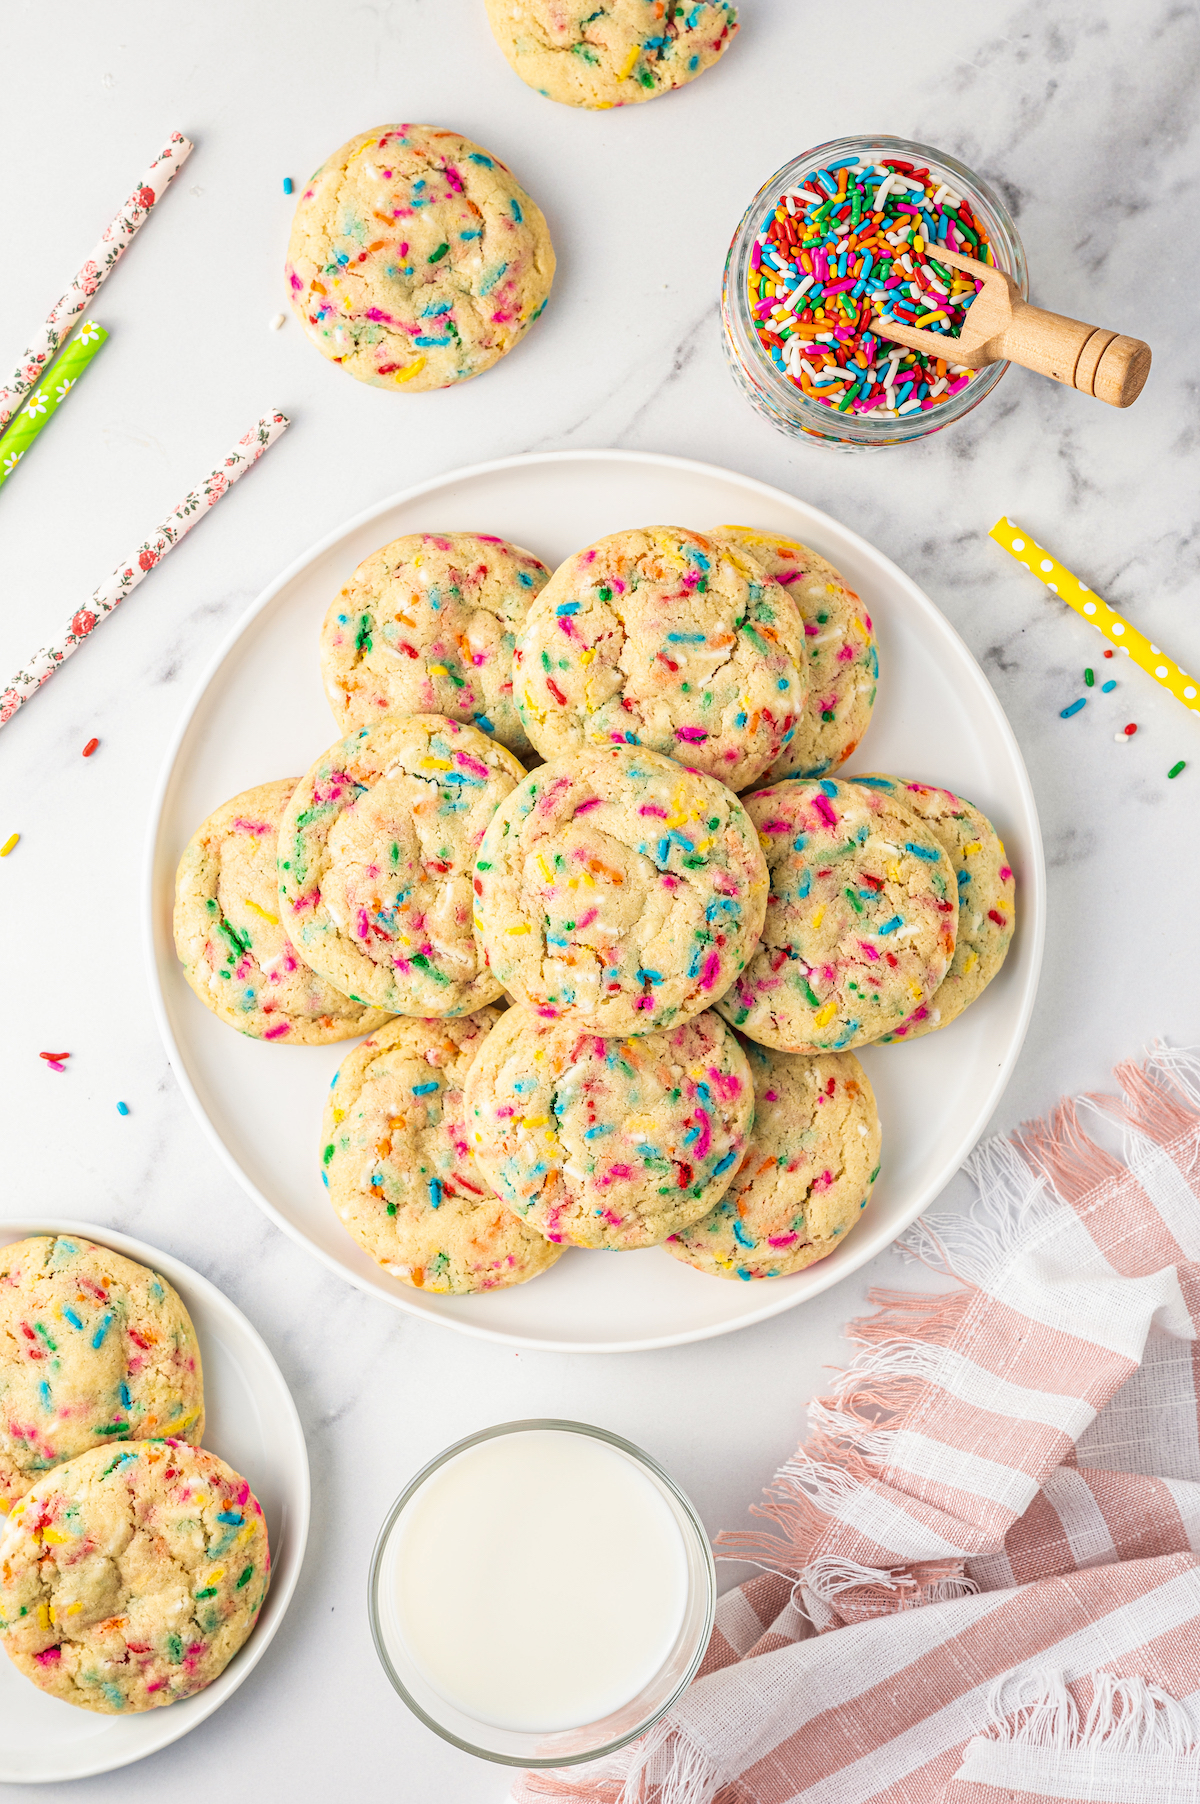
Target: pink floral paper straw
[(107, 254), (129, 574)]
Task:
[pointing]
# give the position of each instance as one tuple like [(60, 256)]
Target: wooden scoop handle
[(1095, 361)]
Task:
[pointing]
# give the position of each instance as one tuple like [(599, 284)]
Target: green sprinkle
[(437, 255), (853, 900), (812, 998), (327, 1155), (112, 1428), (208, 1591), (174, 1649), (245, 1578), (1176, 768), (1089, 676)]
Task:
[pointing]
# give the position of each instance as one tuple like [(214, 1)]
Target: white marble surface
[(1083, 115)]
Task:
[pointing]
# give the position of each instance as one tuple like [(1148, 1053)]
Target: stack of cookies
[(694, 923), (133, 1564)]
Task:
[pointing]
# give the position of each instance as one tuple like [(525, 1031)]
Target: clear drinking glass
[(767, 389), (561, 1747)]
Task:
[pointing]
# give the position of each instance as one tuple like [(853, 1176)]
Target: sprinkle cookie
[(843, 659), (427, 625), (608, 1143), (612, 55), (234, 950), (986, 899), (663, 637), (94, 1348), (807, 1174), (861, 921), (416, 259), (131, 1576), (619, 889), (375, 856), (400, 1170)]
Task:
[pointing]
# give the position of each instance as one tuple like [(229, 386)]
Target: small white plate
[(251, 1422), (260, 713)]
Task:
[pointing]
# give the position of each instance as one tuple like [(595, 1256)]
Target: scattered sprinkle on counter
[(55, 1060), (1066, 713), (90, 747), (1089, 676), (1107, 688), (289, 186), (277, 322), (1131, 729), (1176, 768), (858, 242), (9, 844), (122, 1108)]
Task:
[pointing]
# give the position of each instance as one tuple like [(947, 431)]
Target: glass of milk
[(541, 1593)]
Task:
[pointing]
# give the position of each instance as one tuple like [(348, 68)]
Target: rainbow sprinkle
[(1176, 768), (856, 243), (9, 844)]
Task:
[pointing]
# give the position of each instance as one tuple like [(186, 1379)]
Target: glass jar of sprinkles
[(819, 255)]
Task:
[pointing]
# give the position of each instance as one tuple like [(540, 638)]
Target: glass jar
[(766, 386), (554, 1747)]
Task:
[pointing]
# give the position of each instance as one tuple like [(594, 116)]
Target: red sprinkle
[(90, 747), (1131, 729), (54, 1056), (1107, 653)]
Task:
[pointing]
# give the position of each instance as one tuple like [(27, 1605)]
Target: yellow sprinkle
[(916, 990), (4, 1506), (858, 626), (893, 872), (477, 922), (585, 657), (436, 764), (534, 1120), (8, 845), (439, 670), (539, 714), (408, 374), (971, 959), (521, 929), (214, 1578), (43, 1616), (825, 1015), (818, 917), (547, 873), (55, 1539), (976, 845), (53, 1614), (274, 919), (338, 1115), (74, 1609)]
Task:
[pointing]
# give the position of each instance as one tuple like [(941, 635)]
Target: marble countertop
[(1082, 116)]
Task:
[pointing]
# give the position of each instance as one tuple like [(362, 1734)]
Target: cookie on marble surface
[(376, 850), (427, 625), (416, 258), (807, 1174), (662, 637), (94, 1348), (396, 1156), (986, 899), (611, 1143), (615, 54), (235, 952), (843, 659), (861, 919), (619, 889), (131, 1576)]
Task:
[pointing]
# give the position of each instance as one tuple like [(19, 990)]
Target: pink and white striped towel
[(981, 1582)]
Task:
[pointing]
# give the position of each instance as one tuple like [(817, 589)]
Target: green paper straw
[(49, 396)]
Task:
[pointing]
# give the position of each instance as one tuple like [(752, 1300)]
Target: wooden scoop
[(1000, 325)]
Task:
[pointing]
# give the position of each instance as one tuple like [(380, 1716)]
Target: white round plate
[(251, 1422), (260, 713)]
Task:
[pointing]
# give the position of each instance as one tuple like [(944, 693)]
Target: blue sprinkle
[(568, 607), (592, 1132), (517, 213), (830, 789), (930, 857), (102, 1330), (650, 976), (232, 1517), (424, 341), (325, 1179), (44, 1388), (289, 186), (122, 1108), (481, 720), (470, 235), (740, 721), (685, 638), (725, 1163), (377, 1178), (694, 1135), (783, 683), (424, 1089), (476, 156), (1066, 713), (1107, 688), (72, 1318), (739, 1233), (125, 1395), (798, 845), (435, 1192), (891, 926), (805, 885), (875, 782)]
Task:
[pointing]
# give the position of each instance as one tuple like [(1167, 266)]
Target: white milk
[(538, 1580)]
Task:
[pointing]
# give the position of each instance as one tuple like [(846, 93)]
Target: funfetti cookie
[(131, 1576), (614, 55), (665, 638), (416, 258), (427, 625), (807, 1174), (397, 1158), (861, 920), (843, 658), (94, 1348), (986, 899), (376, 850), (612, 1143), (619, 889), (235, 951)]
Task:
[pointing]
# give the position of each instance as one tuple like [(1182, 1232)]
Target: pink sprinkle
[(650, 808), (693, 735), (644, 1002), (276, 1033), (1005, 873), (620, 1171), (869, 950), (712, 967), (476, 768), (363, 925), (587, 919), (705, 1138), (47, 1655), (821, 807), (593, 802), (309, 900), (781, 1240), (770, 1096), (296, 282), (257, 827)]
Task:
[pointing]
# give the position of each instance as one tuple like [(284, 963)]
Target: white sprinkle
[(790, 204), (280, 319), (1122, 738), (910, 406)]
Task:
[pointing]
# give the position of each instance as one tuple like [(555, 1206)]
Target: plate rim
[(283, 1581), (1033, 920)]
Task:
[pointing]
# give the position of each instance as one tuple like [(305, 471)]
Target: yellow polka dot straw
[(1106, 620)]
